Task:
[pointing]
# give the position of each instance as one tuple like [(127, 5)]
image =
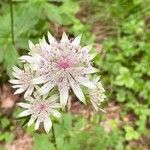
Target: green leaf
[(124, 78), (5, 122), (53, 13), (9, 137), (25, 18), (42, 142), (5, 27), (131, 133), (1, 54), (11, 57), (121, 95), (2, 136)]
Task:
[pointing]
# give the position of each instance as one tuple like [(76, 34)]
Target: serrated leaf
[(53, 13), (25, 18)]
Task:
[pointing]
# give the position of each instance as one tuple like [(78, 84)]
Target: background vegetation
[(120, 30)]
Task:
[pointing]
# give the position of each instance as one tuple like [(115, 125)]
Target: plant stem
[(12, 21), (54, 138)]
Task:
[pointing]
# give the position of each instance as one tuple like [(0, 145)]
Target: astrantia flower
[(23, 81), (63, 64), (97, 95), (40, 110)]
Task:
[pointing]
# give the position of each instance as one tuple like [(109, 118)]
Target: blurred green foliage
[(124, 65), (77, 133)]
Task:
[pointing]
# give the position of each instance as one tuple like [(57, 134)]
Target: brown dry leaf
[(130, 118), (24, 142), (76, 107), (112, 113), (7, 99), (113, 110)]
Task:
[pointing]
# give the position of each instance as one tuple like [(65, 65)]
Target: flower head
[(97, 95), (40, 109), (63, 64), (23, 81)]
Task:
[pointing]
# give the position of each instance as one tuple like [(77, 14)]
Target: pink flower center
[(64, 63), (42, 107)]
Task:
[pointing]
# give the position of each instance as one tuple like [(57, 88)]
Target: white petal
[(16, 69), (55, 113), (26, 58), (16, 75), (43, 44), (45, 95), (29, 91), (43, 40), (91, 70), (26, 67), (46, 88), (37, 124), (47, 124), (17, 86), (24, 113), (87, 48), (13, 81), (92, 56), (94, 105), (53, 98), (64, 38), (77, 90), (77, 40), (84, 81), (96, 80), (23, 105), (30, 99), (32, 119), (41, 79), (18, 91), (31, 45), (56, 105), (63, 96), (51, 39)]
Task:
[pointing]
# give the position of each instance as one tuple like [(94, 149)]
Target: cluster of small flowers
[(97, 95), (55, 67)]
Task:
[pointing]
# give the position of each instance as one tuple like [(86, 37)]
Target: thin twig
[(12, 21)]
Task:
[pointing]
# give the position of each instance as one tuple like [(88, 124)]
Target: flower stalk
[(12, 21), (54, 138)]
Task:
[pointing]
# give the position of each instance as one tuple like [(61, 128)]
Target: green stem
[(12, 21), (54, 138)]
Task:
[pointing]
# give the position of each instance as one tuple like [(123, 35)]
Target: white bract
[(63, 64), (23, 81), (40, 110)]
